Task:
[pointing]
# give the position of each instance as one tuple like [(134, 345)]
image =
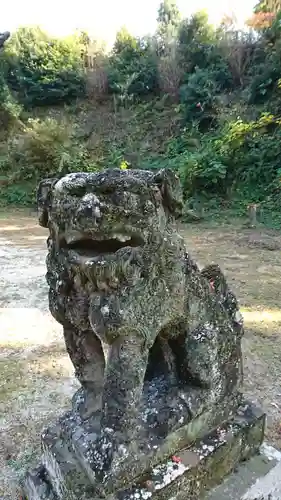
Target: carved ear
[(169, 185), (44, 191)]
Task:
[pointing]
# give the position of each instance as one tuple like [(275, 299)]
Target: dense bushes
[(240, 157), (204, 101), (45, 148), (198, 97), (43, 70), (132, 69), (10, 109)]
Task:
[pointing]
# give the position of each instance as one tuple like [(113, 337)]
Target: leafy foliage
[(261, 20), (195, 41), (10, 110), (242, 156), (168, 23), (43, 70), (203, 101), (198, 95), (267, 6), (46, 148), (132, 67)]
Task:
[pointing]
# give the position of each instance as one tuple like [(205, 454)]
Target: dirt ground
[(36, 376)]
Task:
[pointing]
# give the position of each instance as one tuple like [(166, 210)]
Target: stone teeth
[(72, 236), (121, 237)]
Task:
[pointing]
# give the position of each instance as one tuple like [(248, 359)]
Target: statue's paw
[(102, 457), (86, 405)]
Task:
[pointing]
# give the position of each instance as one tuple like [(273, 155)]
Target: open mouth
[(90, 247)]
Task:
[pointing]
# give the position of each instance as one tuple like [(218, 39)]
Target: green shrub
[(203, 174), (252, 153), (10, 110), (23, 194), (198, 96), (132, 70), (43, 70), (241, 156), (196, 39), (264, 83), (266, 71), (47, 148)]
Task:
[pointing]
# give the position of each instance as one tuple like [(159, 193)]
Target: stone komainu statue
[(154, 341), (3, 38)]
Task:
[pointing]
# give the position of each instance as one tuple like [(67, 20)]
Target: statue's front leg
[(86, 353), (124, 378)]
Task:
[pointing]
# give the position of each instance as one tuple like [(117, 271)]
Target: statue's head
[(97, 215), (109, 227)]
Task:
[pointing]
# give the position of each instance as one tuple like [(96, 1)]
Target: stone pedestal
[(192, 470)]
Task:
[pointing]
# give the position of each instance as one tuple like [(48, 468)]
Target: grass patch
[(265, 322), (14, 380)]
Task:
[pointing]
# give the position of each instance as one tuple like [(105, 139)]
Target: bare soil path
[(36, 376)]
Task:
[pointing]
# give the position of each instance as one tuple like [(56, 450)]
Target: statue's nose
[(90, 207)]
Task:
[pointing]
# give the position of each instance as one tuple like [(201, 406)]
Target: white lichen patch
[(218, 439), (161, 476), (171, 472), (270, 452), (105, 310)]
